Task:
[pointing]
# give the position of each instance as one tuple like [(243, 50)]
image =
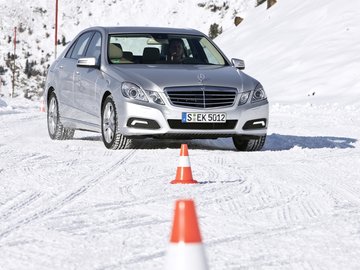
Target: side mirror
[(238, 63), (87, 62)]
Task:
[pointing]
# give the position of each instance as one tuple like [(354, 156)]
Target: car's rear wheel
[(55, 128), (109, 127), (244, 143)]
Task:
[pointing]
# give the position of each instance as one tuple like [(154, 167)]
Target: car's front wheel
[(244, 143), (109, 127), (55, 128)]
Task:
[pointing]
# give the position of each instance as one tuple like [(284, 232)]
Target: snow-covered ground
[(294, 205), (75, 205)]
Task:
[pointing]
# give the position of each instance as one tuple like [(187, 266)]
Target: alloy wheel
[(109, 122), (52, 115)]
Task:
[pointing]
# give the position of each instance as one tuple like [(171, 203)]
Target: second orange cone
[(185, 251), (183, 172)]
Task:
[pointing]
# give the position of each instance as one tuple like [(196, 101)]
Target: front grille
[(177, 124), (201, 96)]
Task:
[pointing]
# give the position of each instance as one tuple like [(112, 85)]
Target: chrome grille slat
[(187, 103), (219, 103), (230, 99), (185, 95), (201, 96)]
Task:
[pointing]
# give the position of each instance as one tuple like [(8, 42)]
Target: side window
[(94, 48), (80, 46), (69, 52)]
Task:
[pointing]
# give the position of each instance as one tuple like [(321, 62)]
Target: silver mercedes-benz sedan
[(135, 82)]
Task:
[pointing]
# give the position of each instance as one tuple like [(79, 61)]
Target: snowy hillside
[(302, 51), (35, 22)]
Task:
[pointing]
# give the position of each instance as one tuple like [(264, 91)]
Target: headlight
[(258, 94), (133, 91), (154, 97), (244, 97)]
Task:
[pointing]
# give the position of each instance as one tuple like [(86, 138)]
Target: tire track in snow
[(139, 193), (306, 210), (28, 166), (309, 204), (68, 198), (312, 210), (18, 204), (8, 131), (136, 261), (332, 188), (134, 196), (81, 224), (275, 201), (267, 232), (278, 203)]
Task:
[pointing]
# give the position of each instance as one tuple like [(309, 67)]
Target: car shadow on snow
[(278, 142), (89, 138), (274, 142), (224, 144)]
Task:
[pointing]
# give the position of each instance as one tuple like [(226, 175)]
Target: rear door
[(69, 71), (65, 84), (86, 92)]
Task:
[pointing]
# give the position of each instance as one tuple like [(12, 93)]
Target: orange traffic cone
[(42, 104), (185, 251), (183, 172)]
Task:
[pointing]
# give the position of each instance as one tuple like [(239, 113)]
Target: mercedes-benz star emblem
[(201, 77)]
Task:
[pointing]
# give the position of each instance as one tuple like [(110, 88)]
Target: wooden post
[(56, 27)]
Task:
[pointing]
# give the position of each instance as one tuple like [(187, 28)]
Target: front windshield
[(162, 49)]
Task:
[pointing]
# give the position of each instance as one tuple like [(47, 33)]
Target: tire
[(68, 133), (243, 143), (109, 127), (55, 128)]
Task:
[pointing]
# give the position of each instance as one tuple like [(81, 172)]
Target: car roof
[(145, 30)]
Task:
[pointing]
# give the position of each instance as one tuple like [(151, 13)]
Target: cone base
[(190, 181), (184, 256)]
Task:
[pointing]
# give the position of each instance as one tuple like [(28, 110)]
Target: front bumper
[(152, 120)]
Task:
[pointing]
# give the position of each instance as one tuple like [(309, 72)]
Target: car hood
[(157, 77)]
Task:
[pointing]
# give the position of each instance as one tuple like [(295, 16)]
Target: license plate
[(203, 117)]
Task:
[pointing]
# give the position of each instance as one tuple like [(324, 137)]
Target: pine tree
[(27, 71), (215, 30)]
